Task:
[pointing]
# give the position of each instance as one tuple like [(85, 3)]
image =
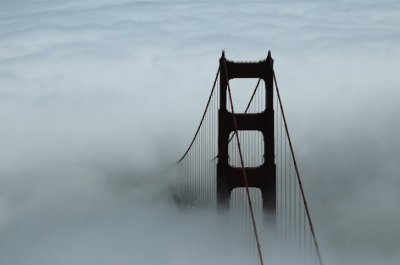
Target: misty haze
[(99, 99)]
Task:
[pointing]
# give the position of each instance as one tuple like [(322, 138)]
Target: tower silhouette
[(262, 177)]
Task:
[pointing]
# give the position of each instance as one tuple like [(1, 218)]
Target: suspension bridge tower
[(263, 176)]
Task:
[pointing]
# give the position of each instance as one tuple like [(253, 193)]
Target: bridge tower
[(262, 177)]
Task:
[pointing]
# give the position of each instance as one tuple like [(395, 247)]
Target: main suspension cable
[(297, 173), (202, 118)]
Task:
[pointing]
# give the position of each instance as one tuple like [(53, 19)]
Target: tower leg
[(269, 203), (223, 194)]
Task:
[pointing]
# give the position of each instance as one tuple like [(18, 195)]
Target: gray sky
[(94, 94)]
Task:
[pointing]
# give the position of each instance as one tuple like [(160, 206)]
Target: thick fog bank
[(98, 98)]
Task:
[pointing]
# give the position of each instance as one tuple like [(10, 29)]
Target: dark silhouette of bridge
[(245, 159)]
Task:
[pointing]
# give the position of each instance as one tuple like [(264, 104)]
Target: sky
[(98, 97)]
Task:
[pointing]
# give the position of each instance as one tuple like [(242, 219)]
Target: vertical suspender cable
[(298, 174), (202, 118), (282, 176)]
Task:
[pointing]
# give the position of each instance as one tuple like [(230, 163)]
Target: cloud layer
[(94, 103)]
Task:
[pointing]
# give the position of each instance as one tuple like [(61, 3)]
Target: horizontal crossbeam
[(248, 69), (257, 177), (248, 121)]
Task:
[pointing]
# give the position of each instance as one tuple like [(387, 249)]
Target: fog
[(98, 98)]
